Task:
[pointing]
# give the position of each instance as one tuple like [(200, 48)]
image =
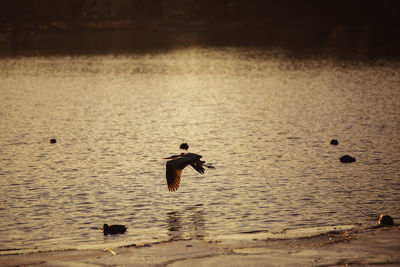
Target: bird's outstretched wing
[(174, 172), (177, 163)]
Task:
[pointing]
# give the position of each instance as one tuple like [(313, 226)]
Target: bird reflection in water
[(174, 221), (187, 224)]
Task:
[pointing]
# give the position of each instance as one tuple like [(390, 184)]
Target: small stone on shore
[(385, 220)]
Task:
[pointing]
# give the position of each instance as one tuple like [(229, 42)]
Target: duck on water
[(114, 229)]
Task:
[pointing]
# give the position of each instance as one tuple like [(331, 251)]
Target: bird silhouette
[(113, 229), (177, 163), (184, 146)]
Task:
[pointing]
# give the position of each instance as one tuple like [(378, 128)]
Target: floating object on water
[(53, 141), (184, 146), (385, 220), (347, 159), (177, 163), (334, 142), (114, 229), (111, 251)]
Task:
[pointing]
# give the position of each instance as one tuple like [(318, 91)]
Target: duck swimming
[(113, 229)]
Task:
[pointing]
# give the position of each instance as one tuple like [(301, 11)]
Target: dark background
[(353, 28)]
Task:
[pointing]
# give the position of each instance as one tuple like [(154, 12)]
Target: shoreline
[(121, 41), (287, 233), (357, 246)]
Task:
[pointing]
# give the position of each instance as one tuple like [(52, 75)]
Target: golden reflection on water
[(189, 224), (264, 120)]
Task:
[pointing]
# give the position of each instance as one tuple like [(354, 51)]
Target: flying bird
[(177, 163)]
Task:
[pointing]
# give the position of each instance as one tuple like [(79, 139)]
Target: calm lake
[(262, 118)]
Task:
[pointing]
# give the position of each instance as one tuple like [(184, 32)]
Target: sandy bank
[(375, 247)]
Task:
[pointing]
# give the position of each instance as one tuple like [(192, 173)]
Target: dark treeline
[(73, 14), (370, 24)]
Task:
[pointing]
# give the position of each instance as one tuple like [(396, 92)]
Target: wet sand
[(356, 247)]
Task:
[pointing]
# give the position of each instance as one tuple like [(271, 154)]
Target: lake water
[(264, 119)]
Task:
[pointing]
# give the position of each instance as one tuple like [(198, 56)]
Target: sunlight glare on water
[(263, 119)]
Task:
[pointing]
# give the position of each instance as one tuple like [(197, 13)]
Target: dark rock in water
[(114, 229), (385, 220), (53, 141), (347, 159), (184, 146), (334, 142)]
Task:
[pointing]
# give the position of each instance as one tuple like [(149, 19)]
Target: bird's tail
[(198, 167), (209, 165)]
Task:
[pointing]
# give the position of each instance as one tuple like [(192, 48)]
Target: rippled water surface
[(263, 119)]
